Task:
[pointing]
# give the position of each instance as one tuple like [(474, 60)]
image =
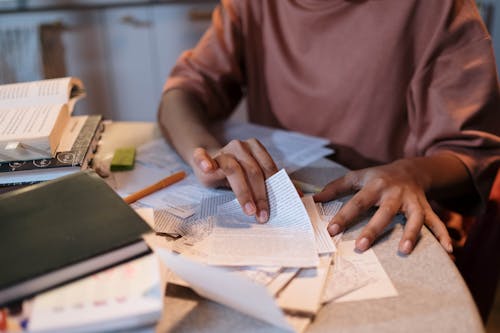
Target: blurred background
[(122, 49)]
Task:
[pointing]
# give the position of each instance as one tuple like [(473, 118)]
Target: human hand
[(242, 165), (395, 187)]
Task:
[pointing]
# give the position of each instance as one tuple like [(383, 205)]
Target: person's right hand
[(243, 166)]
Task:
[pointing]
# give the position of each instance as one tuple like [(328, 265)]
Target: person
[(406, 91)]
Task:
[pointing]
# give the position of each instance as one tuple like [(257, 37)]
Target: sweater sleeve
[(212, 70), (454, 102)]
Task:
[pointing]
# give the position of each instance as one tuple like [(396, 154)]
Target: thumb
[(204, 161)]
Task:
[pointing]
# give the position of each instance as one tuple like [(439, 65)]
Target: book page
[(293, 298), (46, 92), (324, 243), (287, 239), (28, 123), (379, 285), (227, 288)]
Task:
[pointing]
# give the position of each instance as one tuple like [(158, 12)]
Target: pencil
[(306, 187), (173, 178)]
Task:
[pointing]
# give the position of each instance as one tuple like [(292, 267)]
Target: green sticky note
[(123, 159)]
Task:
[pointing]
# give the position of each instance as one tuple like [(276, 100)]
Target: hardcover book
[(56, 231), (33, 116), (76, 150)]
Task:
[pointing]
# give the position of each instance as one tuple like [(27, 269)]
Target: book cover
[(75, 155), (56, 231)]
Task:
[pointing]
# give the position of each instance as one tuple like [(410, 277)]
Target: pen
[(173, 178)]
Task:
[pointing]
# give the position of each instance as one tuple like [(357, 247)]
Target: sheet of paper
[(294, 299), (226, 288), (287, 239), (153, 162), (380, 284), (128, 182), (344, 277), (282, 280), (182, 200), (147, 214), (160, 155), (290, 150), (330, 209), (324, 243), (125, 295)]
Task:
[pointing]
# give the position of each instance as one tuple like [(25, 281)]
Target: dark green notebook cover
[(59, 230)]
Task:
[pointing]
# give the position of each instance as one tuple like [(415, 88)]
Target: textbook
[(33, 116), (56, 231), (76, 150)]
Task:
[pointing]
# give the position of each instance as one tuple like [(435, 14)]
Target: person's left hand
[(393, 188)]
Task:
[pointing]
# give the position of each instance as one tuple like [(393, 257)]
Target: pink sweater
[(382, 79)]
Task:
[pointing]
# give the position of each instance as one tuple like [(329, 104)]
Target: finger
[(255, 180), (382, 218), (238, 182), (438, 228), (204, 161), (339, 187), (358, 204), (415, 216), (262, 157)]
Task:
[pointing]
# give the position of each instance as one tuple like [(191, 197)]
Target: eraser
[(123, 159)]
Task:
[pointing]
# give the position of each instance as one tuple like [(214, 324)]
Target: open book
[(33, 116)]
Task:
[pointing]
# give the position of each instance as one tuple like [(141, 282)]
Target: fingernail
[(333, 229), (449, 248), (205, 166), (249, 208), (263, 216), (407, 246), (363, 244)]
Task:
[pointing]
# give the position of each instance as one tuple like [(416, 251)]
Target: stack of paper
[(280, 271)]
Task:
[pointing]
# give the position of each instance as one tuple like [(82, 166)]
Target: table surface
[(432, 296)]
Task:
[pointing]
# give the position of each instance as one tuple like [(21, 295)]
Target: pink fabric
[(381, 79)]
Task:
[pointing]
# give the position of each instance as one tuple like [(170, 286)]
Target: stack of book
[(39, 138)]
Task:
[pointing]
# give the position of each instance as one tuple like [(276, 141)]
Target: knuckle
[(254, 172), (351, 176), (235, 144), (380, 183), (231, 166), (359, 203), (269, 168), (253, 141), (243, 193)]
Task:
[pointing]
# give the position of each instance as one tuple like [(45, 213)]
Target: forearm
[(185, 125)]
